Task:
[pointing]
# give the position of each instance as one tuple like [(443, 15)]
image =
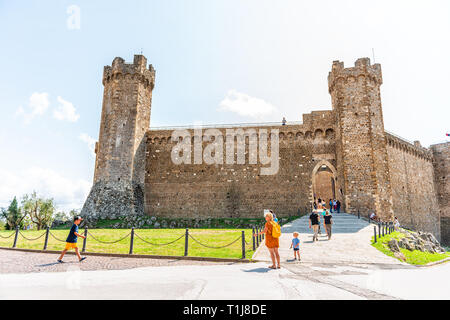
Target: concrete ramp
[(350, 243), (342, 223)]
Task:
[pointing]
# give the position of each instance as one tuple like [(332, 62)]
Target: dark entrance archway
[(324, 181)]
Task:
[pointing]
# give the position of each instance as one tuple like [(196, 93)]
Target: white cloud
[(65, 111), (37, 106), (245, 105), (89, 141), (68, 194)]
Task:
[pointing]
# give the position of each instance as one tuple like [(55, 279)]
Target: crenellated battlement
[(406, 146), (137, 70), (362, 70), (286, 134)]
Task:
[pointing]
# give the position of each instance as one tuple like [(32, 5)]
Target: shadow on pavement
[(259, 270)]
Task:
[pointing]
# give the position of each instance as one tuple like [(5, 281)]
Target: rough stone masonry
[(343, 153)]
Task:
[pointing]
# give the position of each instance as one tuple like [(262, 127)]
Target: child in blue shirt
[(296, 245)]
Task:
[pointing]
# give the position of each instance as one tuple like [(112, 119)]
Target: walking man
[(314, 221), (327, 222), (71, 242)]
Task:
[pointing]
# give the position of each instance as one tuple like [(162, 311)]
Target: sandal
[(272, 267)]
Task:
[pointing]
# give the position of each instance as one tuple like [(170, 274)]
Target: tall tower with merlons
[(361, 148), (120, 151)]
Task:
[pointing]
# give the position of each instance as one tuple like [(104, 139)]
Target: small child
[(296, 245), (71, 241)]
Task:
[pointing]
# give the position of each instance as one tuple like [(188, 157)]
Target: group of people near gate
[(334, 205)]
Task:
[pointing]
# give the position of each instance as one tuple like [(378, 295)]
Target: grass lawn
[(210, 237), (415, 257)]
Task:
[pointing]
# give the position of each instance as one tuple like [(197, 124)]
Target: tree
[(13, 215), (39, 210)]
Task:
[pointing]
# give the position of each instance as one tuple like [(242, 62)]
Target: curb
[(141, 256), (431, 264)]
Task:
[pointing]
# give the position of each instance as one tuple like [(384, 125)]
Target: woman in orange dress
[(271, 243)]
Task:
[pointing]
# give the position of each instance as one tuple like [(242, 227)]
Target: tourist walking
[(338, 206), (327, 222), (314, 221), (331, 205), (295, 244), (272, 234), (396, 224), (71, 241)]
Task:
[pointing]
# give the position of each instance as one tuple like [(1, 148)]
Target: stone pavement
[(25, 262), (235, 281), (350, 243)]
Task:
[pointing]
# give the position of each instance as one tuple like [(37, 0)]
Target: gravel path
[(25, 262)]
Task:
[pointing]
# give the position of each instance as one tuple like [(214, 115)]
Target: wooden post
[(379, 230), (85, 239), (132, 241), (253, 239), (186, 242), (15, 237), (46, 238), (257, 237), (382, 228), (375, 234), (243, 244)]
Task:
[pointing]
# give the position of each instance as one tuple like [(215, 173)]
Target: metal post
[(85, 239), (186, 242), (375, 234), (359, 216), (257, 237), (243, 244), (382, 228), (132, 241), (46, 238), (15, 237), (253, 239), (379, 230)]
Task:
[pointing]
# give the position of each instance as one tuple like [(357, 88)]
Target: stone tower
[(361, 149), (120, 151)]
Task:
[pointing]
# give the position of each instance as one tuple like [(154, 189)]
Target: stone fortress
[(343, 153)]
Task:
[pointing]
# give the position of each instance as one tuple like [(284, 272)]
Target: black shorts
[(296, 249)]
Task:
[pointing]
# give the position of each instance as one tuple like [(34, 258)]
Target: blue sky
[(270, 58)]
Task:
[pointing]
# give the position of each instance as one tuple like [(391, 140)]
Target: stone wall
[(412, 179), (441, 153), (239, 190)]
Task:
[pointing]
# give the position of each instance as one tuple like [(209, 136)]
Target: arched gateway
[(324, 181)]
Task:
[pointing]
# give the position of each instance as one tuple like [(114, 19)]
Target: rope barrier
[(108, 242), (159, 244), (56, 237), (7, 236), (32, 239), (206, 246)]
